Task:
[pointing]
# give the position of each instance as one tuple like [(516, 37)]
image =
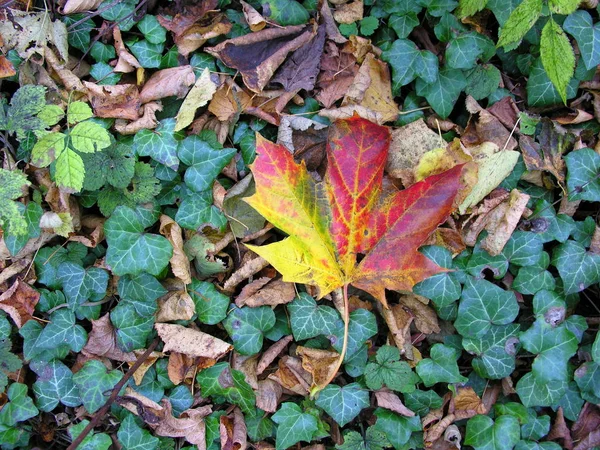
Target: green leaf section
[(343, 404), (12, 183), (309, 320), (441, 366), (484, 433), (222, 381), (387, 370), (95, 383), (557, 57), (293, 425), (247, 326)]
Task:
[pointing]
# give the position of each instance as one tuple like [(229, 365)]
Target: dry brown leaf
[(138, 375), (229, 101), (272, 353), (292, 376), (560, 430), (148, 120), (426, 319), (246, 365), (258, 55), (346, 112), (126, 62), (360, 47), (91, 238), (449, 239), (391, 401), (331, 28), (77, 6), (68, 78), (19, 302), (246, 270), (268, 395), (587, 422), (190, 424), (253, 17), (121, 101), (321, 364), (233, 431), (466, 403), (506, 111), (183, 368), (274, 292), (173, 82), (176, 305), (191, 342), (180, 264), (338, 68), (485, 127), (398, 321), (372, 89), (102, 341), (6, 67), (349, 12)]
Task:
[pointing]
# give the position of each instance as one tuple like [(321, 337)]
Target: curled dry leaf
[(338, 68), (229, 101), (320, 364), (272, 353), (425, 317), (19, 302), (147, 121), (190, 424), (138, 375), (77, 6), (126, 62), (191, 342), (249, 268), (180, 264), (102, 341), (258, 55), (94, 231), (233, 431), (391, 401), (253, 17), (247, 365), (268, 395), (200, 94), (263, 292), (333, 34), (121, 101), (67, 77), (485, 127), (6, 67), (292, 376), (398, 320), (349, 12), (176, 305), (182, 368), (172, 82)]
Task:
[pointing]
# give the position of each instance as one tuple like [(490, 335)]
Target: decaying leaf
[(119, 102), (485, 127), (126, 62), (77, 6), (256, 22), (338, 68), (180, 264), (176, 305), (265, 291), (233, 431), (148, 120), (292, 376), (19, 302), (349, 12), (268, 395), (229, 101), (191, 342), (321, 364), (425, 317), (391, 401), (272, 353), (173, 82), (200, 94), (102, 341)]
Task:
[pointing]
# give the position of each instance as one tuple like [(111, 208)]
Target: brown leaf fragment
[(338, 68), (448, 238), (138, 375), (361, 47), (300, 69), (102, 341), (190, 424), (118, 102), (247, 365), (268, 395), (249, 268), (90, 238), (572, 116), (180, 264), (391, 401), (173, 82), (560, 430), (349, 12), (126, 62), (191, 342), (485, 127), (425, 317), (466, 404), (6, 67), (506, 111), (255, 21), (592, 440), (321, 364), (587, 422), (148, 120), (77, 6), (272, 353), (229, 101), (398, 320), (292, 376), (67, 77), (333, 34), (348, 111), (233, 431), (183, 368), (177, 305), (19, 302), (274, 292), (258, 55)]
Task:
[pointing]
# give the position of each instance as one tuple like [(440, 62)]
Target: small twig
[(113, 395)]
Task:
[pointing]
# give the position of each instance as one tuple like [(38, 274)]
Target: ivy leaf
[(80, 284), (422, 401), (536, 427), (482, 81), (523, 248), (363, 325), (495, 351), (211, 305), (152, 29), (133, 437), (149, 55), (482, 305), (95, 383), (520, 21), (388, 370), (197, 210), (204, 162), (557, 56), (535, 392), (583, 182), (443, 288), (373, 440), (293, 425), (54, 384), (160, 144), (441, 366), (309, 320), (483, 433), (587, 377), (20, 406), (580, 25), (397, 429), (62, 329), (115, 166), (8, 361), (93, 441), (132, 329), (222, 380), (403, 24), (141, 291), (343, 404), (530, 280), (286, 12), (463, 51), (540, 89), (130, 250), (246, 327), (443, 93), (32, 349), (577, 267)]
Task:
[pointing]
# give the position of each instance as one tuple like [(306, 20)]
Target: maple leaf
[(355, 227)]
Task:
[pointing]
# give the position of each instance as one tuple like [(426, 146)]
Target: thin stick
[(113, 395)]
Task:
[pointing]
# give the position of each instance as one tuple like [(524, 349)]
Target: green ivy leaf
[(246, 327), (530, 280), (132, 329), (421, 402), (115, 166), (363, 325), (396, 428), (130, 249), (388, 370), (93, 441), (403, 24), (211, 305), (31, 332), (160, 144), (482, 81), (141, 291), (580, 25), (133, 437), (152, 29), (293, 425), (373, 440), (343, 404), (95, 383), (204, 162), (8, 361), (285, 12), (495, 353), (197, 210), (443, 93), (441, 366), (259, 425), (149, 55), (482, 305), (483, 433), (535, 392), (463, 51), (587, 377), (19, 408), (309, 320), (80, 284), (222, 380), (535, 427), (102, 52), (443, 288), (557, 56), (180, 398), (523, 248), (583, 168), (577, 268), (54, 385), (520, 21), (62, 329)]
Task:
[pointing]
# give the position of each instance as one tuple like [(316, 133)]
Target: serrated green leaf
[(141, 291), (441, 366), (343, 404), (95, 383), (152, 29), (580, 25), (20, 118), (373, 440), (388, 370), (133, 437), (222, 380), (578, 268), (47, 149), (363, 326), (51, 115), (19, 408), (88, 137), (583, 180), (495, 351), (78, 112), (114, 165), (397, 429), (160, 144), (469, 7), (93, 441), (204, 162), (54, 384), (520, 21), (421, 402), (246, 327), (62, 329), (557, 57), (211, 305), (70, 170), (293, 425), (482, 305), (535, 392), (483, 433), (11, 218), (309, 320), (132, 329), (130, 249), (443, 93), (563, 6)]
